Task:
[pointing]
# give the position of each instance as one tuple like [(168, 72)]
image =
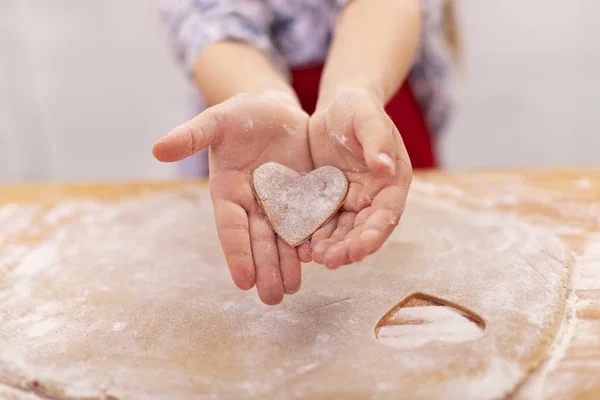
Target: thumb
[(188, 138), (375, 133)]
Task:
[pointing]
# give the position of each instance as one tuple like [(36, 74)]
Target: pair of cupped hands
[(351, 131)]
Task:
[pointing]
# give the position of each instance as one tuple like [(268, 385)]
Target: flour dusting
[(138, 291), (248, 124), (340, 138), (416, 326), (557, 376), (118, 326), (584, 183), (291, 131)]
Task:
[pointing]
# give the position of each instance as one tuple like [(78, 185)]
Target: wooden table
[(566, 202)]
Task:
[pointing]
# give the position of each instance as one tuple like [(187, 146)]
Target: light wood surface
[(566, 201)]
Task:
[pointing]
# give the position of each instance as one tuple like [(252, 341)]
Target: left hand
[(353, 133)]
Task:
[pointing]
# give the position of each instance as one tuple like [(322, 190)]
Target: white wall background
[(85, 89), (87, 86), (532, 85)]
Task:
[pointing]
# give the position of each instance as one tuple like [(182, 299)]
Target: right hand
[(353, 132), (243, 133)]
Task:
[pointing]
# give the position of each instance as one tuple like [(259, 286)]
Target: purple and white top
[(298, 32)]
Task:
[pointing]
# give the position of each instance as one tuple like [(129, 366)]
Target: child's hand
[(353, 133), (243, 133)]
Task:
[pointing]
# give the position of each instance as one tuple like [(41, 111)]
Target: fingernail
[(388, 161)]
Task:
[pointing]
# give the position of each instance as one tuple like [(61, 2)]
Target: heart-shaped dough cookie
[(295, 204)]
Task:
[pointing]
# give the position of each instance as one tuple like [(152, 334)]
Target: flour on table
[(133, 299), (433, 323), (550, 382), (584, 183), (568, 370)]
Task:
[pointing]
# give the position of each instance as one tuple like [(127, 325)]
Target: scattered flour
[(421, 325), (584, 183), (118, 326), (590, 258), (43, 327), (340, 138), (308, 367), (54, 263), (550, 381), (248, 124), (291, 131)]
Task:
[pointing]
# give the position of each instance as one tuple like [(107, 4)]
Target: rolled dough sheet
[(133, 300)]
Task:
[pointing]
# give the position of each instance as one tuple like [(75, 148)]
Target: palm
[(254, 130), (378, 186)]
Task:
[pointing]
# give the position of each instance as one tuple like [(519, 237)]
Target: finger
[(187, 138), (375, 133), (305, 251), (344, 225), (345, 251), (266, 260), (325, 231), (233, 231), (357, 250), (385, 215), (321, 234), (362, 216), (403, 159), (290, 267), (337, 255), (358, 198)]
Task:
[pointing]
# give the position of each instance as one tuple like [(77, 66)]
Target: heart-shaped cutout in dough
[(297, 205)]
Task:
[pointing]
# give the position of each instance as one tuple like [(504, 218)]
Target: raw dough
[(133, 300), (297, 205)]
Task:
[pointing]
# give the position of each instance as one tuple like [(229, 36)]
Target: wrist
[(286, 97), (330, 93), (218, 76)]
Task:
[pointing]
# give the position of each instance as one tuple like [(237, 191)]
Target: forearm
[(225, 69), (373, 47)]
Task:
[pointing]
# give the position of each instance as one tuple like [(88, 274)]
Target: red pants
[(402, 109)]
